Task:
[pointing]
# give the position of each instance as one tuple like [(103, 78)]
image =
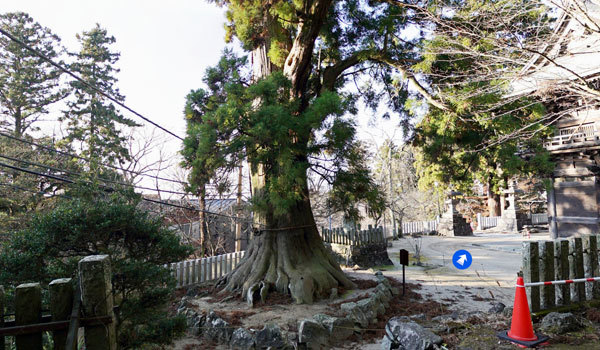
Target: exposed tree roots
[(294, 261)]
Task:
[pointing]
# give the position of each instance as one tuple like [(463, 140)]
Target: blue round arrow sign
[(462, 259)]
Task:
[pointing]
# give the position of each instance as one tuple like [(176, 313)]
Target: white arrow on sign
[(461, 259)]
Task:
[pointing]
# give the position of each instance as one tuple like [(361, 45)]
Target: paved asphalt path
[(490, 278)]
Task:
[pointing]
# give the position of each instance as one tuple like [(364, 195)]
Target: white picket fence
[(539, 219), (194, 271), (485, 222), (419, 226), (353, 237)]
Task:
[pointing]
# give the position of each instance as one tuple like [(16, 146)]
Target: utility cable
[(76, 77), (33, 191), (108, 188), (257, 232), (50, 149), (100, 178)]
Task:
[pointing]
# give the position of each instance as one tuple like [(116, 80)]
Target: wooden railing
[(353, 237), (419, 227), (539, 219), (195, 271), (573, 137), (485, 222)]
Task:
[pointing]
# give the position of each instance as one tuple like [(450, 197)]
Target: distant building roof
[(573, 53)]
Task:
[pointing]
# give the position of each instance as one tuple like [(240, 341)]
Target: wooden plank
[(577, 220), (571, 184), (572, 172)]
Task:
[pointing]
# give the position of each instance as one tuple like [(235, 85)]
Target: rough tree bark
[(287, 253), (493, 201)]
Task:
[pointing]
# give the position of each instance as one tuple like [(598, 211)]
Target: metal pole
[(403, 282)]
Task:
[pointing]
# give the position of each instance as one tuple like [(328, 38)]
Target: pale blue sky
[(165, 48)]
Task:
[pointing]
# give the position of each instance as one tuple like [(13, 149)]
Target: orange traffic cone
[(521, 327)]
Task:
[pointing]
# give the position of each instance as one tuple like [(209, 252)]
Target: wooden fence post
[(28, 310), (97, 300), (531, 272), (61, 303), (590, 260), (548, 297), (576, 269), (1, 316), (180, 278), (561, 267)]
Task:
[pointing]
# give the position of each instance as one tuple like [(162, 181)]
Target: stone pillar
[(96, 297), (28, 310), (508, 220), (61, 303), (452, 223), (553, 226)]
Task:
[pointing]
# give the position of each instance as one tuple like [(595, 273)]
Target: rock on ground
[(560, 323), (313, 334), (403, 331)]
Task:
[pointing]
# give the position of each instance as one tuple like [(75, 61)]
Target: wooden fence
[(194, 271), (92, 297), (353, 237), (485, 222), (419, 227), (565, 259), (539, 219)]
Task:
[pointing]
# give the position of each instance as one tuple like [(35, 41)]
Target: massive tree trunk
[(288, 255), (493, 201), (286, 252)]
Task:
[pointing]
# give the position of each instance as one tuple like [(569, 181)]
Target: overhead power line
[(100, 178), (76, 77), (69, 181), (50, 149), (33, 191)]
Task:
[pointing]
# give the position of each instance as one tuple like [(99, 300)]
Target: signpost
[(403, 261)]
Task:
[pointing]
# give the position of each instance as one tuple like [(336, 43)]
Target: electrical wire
[(50, 149), (76, 77), (108, 188), (257, 232), (32, 191), (100, 178)]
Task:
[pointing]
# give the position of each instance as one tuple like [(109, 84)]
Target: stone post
[(561, 267), (591, 269), (97, 300), (576, 269), (552, 224), (61, 303), (548, 297), (28, 310), (531, 272)]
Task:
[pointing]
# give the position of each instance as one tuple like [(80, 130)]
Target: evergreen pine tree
[(93, 122)]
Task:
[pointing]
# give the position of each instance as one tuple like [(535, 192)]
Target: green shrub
[(95, 222)]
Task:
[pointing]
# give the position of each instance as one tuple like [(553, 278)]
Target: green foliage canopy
[(94, 222)]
